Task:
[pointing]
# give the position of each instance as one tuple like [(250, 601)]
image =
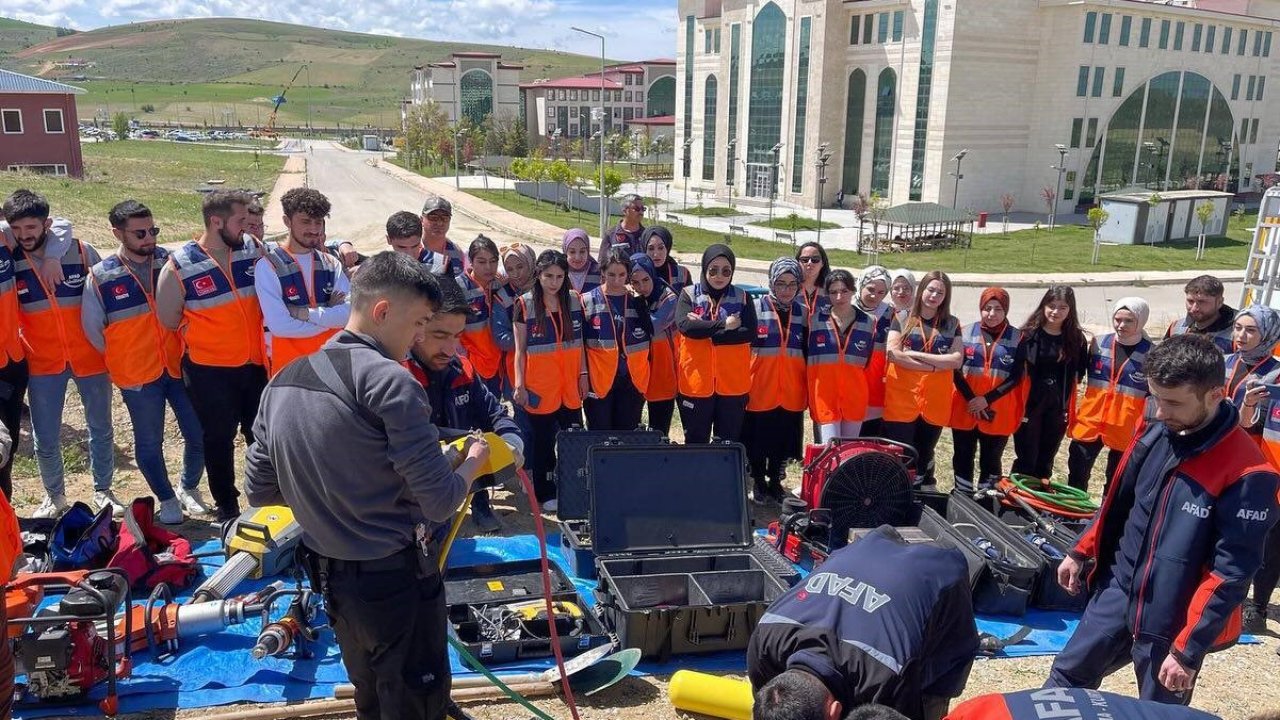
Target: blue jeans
[(47, 394), (146, 411)]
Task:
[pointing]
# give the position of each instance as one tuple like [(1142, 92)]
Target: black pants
[(872, 428), (660, 414), (620, 409), (1080, 459), (542, 455), (389, 617), (1264, 583), (989, 448), (13, 388), (921, 435), (1037, 441), (719, 416), (226, 400)]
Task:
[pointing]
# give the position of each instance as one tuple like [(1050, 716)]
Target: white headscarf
[(1138, 307)]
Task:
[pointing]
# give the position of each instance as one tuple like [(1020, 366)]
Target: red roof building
[(584, 105), (39, 129)]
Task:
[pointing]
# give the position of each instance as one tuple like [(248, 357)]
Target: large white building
[(468, 85), (1165, 94)]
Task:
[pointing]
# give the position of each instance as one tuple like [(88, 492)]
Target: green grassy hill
[(16, 35), (208, 70)]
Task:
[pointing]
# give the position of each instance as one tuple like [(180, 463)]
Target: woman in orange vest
[(1252, 372), (815, 266), (617, 336), (773, 429), (657, 243), (841, 346), (550, 368), (1115, 394), (487, 335), (922, 352), (584, 270), (986, 406), (1057, 354), (873, 288), (660, 396), (717, 322)]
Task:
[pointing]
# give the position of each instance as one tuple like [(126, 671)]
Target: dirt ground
[(1235, 684)]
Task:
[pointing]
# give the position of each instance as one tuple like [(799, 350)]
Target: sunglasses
[(716, 272), (142, 234), (637, 208), (809, 260), (439, 218)]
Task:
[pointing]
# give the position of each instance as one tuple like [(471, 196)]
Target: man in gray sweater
[(362, 501)]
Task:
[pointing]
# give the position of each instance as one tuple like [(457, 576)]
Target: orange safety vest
[(221, 319), (662, 351), (985, 370), (10, 344), (50, 319), (876, 368), (139, 348), (1115, 397), (477, 338), (507, 296), (295, 291), (913, 394), (777, 359), (600, 335), (837, 364), (1267, 371), (553, 357), (708, 369)]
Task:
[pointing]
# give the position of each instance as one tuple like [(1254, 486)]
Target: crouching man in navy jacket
[(1178, 538), (880, 621)]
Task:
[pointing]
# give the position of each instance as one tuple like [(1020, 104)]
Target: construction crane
[(270, 130)]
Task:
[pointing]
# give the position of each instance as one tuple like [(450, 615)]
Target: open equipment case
[(674, 548), (1052, 538)]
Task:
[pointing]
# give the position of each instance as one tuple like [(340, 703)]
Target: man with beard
[(1207, 313), (207, 291), (301, 289), (1177, 539), (58, 352), (144, 359)]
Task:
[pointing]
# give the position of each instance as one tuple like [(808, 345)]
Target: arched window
[(709, 129), (882, 142), (476, 90), (661, 97), (853, 110), (764, 115)]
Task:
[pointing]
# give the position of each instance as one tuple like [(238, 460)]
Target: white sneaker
[(170, 512), (551, 506), (52, 507), (103, 498), (192, 501)]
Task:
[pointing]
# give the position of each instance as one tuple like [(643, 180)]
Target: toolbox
[(573, 488), (676, 571), (497, 611), (1053, 545)]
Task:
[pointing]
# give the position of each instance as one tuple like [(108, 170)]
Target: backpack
[(82, 540), (150, 555)]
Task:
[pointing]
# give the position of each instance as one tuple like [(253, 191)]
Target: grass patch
[(794, 223), (161, 175), (709, 211)]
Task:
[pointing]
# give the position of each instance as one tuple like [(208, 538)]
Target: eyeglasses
[(786, 285), (810, 260), (439, 218), (637, 208), (716, 272), (142, 234)]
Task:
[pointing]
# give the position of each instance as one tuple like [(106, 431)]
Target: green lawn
[(793, 223), (161, 175), (709, 211)]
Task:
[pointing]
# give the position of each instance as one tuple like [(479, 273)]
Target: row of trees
[(429, 137)]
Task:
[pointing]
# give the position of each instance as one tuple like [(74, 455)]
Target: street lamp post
[(604, 209), (688, 144), (1061, 167), (776, 153), (457, 178), (824, 157), (728, 171), (955, 194)]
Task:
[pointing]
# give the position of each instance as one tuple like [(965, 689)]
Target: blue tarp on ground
[(218, 670)]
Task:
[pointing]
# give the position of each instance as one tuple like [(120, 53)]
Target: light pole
[(604, 209), (959, 158), (776, 153), (824, 157), (1061, 167), (728, 171), (457, 179), (688, 144)]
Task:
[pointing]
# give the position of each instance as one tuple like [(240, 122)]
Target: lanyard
[(556, 326), (619, 329), (810, 301), (1118, 372), (783, 330), (842, 338), (928, 338), (487, 291), (1231, 389), (988, 357)]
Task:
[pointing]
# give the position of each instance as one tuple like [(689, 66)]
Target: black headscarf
[(711, 253)]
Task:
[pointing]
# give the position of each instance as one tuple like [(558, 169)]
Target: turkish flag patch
[(204, 285)]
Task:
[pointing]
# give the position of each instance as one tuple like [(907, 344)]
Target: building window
[(853, 111), (924, 87), (564, 95), (626, 96), (1253, 131), (768, 66), (1244, 130), (573, 94), (551, 111), (706, 41), (882, 28), (1126, 25), (562, 117), (1262, 81), (1068, 190), (688, 77), (1257, 43), (1196, 35), (867, 28), (1077, 128), (1082, 81), (573, 131), (1226, 40), (735, 45), (1164, 34), (855, 29), (1209, 38), (53, 120), (1179, 30), (1235, 87), (1117, 85), (628, 114), (595, 96), (662, 97), (715, 45), (1240, 44), (475, 89), (1091, 136), (802, 100), (1090, 22), (12, 120), (1104, 29), (1248, 93), (709, 128), (1144, 33), (897, 25), (1099, 78), (1266, 44), (57, 169), (882, 142), (639, 96)]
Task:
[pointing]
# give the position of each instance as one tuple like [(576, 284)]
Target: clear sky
[(634, 29)]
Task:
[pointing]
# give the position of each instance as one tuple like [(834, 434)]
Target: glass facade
[(924, 88), (854, 108), (802, 100), (882, 143), (764, 116), (688, 75), (709, 128), (475, 89), (662, 97), (735, 71)]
